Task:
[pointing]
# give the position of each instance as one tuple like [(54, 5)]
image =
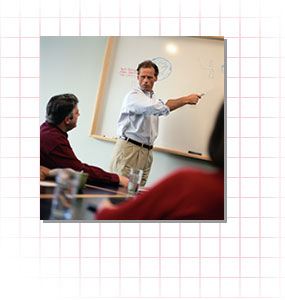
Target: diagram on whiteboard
[(164, 66), (211, 67)]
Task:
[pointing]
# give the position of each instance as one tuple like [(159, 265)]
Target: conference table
[(84, 204)]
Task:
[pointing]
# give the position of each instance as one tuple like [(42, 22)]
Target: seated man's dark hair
[(59, 107), (148, 64), (216, 143)]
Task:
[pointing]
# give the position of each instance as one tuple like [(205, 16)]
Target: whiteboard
[(187, 65)]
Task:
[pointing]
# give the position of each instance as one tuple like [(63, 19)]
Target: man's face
[(73, 122), (146, 79)]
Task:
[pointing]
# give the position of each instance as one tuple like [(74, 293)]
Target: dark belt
[(149, 147)]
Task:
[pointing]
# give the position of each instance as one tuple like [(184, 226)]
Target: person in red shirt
[(186, 194), (55, 151)]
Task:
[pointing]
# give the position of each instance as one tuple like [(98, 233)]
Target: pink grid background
[(241, 259)]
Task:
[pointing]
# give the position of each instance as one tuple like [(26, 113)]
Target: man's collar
[(57, 127), (150, 94)]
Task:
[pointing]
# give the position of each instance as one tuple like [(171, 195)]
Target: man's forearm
[(176, 103), (179, 102)]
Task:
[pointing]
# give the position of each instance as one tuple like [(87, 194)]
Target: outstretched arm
[(179, 102)]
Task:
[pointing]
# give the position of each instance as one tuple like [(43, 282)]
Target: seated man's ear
[(67, 120)]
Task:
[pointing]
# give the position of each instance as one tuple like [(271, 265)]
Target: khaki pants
[(127, 155)]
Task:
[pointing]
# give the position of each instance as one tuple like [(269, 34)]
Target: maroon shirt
[(56, 152), (186, 194)]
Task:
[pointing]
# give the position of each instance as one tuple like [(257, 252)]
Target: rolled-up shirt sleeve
[(138, 103)]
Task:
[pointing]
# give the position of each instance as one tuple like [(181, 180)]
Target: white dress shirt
[(139, 116)]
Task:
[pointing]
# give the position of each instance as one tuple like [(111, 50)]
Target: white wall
[(73, 65)]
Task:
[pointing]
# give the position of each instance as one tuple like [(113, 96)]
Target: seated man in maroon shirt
[(62, 114)]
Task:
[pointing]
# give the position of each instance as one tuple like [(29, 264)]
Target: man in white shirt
[(138, 123)]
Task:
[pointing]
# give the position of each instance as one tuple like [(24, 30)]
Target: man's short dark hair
[(216, 143), (148, 64), (59, 107)]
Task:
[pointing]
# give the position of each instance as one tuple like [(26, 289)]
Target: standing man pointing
[(138, 123)]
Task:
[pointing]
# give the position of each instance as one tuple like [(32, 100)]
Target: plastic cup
[(67, 186), (134, 180), (82, 178)]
